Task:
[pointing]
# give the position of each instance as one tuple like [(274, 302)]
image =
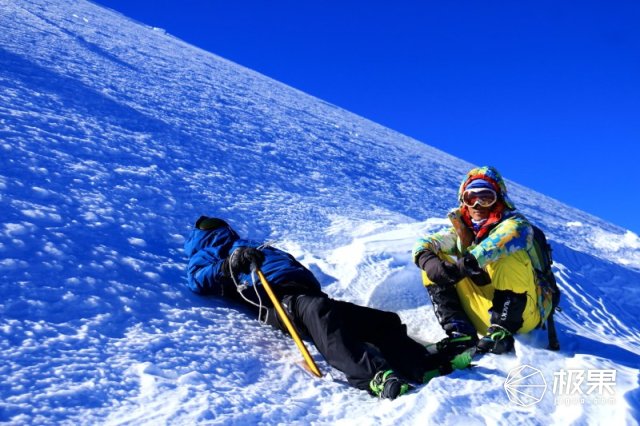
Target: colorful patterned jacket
[(507, 236)]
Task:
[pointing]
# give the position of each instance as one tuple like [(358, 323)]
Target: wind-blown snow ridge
[(115, 137)]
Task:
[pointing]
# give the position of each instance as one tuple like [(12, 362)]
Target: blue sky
[(547, 91)]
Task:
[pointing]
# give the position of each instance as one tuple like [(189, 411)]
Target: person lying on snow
[(478, 273), (371, 347)]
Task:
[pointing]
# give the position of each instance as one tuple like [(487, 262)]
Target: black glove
[(469, 267), (243, 258), (439, 271)]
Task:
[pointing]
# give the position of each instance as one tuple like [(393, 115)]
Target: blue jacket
[(208, 249)]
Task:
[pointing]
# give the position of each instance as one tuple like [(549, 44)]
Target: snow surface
[(115, 137)]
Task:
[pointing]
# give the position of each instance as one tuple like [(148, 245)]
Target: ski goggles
[(483, 197)]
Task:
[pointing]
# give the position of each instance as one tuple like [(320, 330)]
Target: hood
[(491, 175)]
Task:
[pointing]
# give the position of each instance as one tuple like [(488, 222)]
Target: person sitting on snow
[(371, 347), (478, 273)]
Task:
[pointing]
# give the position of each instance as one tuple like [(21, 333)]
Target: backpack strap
[(542, 251), (554, 344)]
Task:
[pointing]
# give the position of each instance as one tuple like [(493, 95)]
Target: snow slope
[(115, 137)]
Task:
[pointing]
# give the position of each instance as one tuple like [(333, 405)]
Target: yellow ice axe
[(292, 331)]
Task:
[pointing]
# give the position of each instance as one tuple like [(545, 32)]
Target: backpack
[(546, 284)]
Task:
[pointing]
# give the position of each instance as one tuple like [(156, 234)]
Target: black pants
[(357, 340)]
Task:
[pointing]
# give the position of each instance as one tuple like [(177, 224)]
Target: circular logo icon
[(525, 386)]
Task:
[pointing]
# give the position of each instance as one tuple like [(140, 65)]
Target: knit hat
[(208, 223)]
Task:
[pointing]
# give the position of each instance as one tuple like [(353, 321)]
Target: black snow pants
[(357, 340)]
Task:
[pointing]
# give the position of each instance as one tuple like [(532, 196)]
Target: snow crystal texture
[(115, 137)]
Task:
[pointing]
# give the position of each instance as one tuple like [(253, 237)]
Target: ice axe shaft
[(290, 328)]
